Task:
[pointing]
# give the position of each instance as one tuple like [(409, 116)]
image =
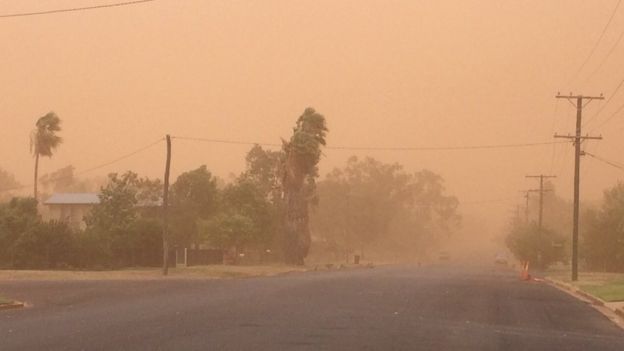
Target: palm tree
[(43, 140), (301, 157)]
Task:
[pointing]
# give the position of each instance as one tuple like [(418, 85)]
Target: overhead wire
[(554, 148), (620, 84), (606, 57), (379, 148), (593, 50), (614, 114), (75, 9), (102, 165), (611, 163)]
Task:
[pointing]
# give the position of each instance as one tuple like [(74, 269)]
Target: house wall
[(71, 214)]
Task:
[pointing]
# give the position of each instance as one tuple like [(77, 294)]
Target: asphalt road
[(440, 307)]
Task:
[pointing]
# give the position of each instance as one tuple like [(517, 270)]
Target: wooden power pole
[(541, 198), (577, 139), (526, 206), (541, 214), (165, 233)]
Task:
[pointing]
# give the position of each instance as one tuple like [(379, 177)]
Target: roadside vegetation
[(601, 242), (610, 292), (276, 210), (4, 301)]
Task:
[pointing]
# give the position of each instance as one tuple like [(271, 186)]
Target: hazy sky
[(384, 73)]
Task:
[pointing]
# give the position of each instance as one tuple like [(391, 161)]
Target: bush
[(540, 248), (45, 245)]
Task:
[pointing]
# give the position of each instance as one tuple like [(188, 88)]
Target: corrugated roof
[(73, 199)]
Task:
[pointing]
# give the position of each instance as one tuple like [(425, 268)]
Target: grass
[(610, 292), (4, 301), (607, 286), (195, 272)]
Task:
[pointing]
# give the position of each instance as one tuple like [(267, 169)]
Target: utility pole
[(541, 215), (526, 206), (165, 233), (541, 198), (577, 139)]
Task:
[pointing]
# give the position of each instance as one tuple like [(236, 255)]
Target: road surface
[(439, 307)]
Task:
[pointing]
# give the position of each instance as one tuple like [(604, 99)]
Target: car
[(444, 256), (500, 258)]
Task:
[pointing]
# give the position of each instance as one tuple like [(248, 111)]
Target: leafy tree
[(263, 170), (193, 197), (227, 230), (245, 218), (43, 140), (16, 218), (370, 203), (114, 220), (301, 156), (541, 248), (7, 183), (603, 240), (63, 180), (45, 245)]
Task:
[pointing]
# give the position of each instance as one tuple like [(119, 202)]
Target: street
[(444, 306)]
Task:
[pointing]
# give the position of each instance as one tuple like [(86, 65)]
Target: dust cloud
[(462, 88)]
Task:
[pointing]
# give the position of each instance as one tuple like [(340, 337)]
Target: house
[(71, 207)]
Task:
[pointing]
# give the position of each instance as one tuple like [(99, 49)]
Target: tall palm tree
[(43, 140), (301, 157)]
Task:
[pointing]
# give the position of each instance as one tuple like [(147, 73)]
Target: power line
[(480, 202), (593, 50), (611, 163), (75, 9), (606, 103), (95, 167), (378, 148), (554, 148), (224, 141), (604, 59), (442, 148), (610, 117), (121, 158)]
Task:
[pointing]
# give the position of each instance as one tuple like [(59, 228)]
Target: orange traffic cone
[(524, 275)]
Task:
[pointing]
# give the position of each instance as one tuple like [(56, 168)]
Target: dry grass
[(198, 272), (4, 301)]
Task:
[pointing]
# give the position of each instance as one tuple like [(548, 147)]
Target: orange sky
[(384, 73)]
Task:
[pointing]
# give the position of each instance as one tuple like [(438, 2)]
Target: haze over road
[(438, 307)]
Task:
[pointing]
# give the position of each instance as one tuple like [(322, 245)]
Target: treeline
[(373, 208), (276, 207), (365, 207), (601, 242), (125, 228)]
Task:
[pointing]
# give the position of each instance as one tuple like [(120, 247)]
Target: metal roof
[(73, 199)]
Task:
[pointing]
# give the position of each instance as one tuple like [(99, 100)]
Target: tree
[(263, 170), (7, 183), (526, 242), (193, 197), (603, 240), (45, 245), (301, 156), (370, 203), (16, 217), (227, 230), (43, 140), (62, 180), (113, 222)]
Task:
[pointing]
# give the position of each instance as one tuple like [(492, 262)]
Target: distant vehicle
[(500, 258), (444, 256)]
